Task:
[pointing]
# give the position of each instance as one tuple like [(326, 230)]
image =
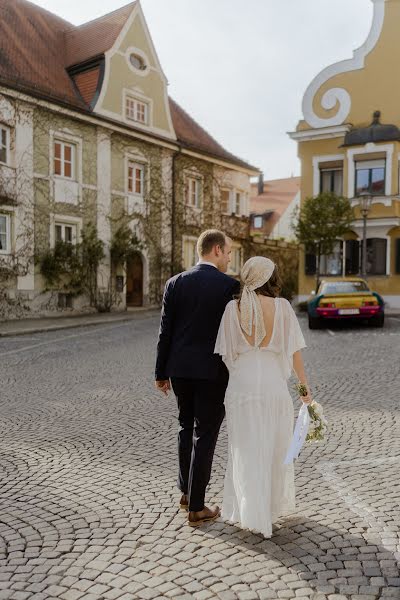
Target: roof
[(375, 132), (37, 47), (277, 195), (95, 37), (191, 135)]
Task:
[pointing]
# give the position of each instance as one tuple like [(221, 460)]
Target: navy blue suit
[(193, 305)]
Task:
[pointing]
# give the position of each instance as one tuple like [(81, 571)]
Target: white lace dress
[(258, 487)]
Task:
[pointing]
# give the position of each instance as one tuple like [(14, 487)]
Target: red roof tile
[(278, 194), (36, 47), (87, 83), (95, 37)]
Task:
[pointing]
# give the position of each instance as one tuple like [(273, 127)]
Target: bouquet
[(318, 423)]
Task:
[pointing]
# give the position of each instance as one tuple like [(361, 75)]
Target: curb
[(44, 329)]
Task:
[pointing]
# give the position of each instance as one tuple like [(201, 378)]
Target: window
[(136, 110), (193, 192), (137, 62), (5, 241), (65, 233), (238, 198), (344, 287), (64, 159), (370, 177), (236, 260), (332, 264), (225, 202), (376, 256), (4, 145), (190, 257), (332, 181), (135, 179), (258, 222)]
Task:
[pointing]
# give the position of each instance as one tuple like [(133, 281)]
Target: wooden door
[(134, 281)]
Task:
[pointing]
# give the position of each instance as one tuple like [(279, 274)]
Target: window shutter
[(310, 263), (352, 257), (398, 255)]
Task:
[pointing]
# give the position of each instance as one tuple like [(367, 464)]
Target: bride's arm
[(298, 367)]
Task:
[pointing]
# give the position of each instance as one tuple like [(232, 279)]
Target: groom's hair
[(208, 239)]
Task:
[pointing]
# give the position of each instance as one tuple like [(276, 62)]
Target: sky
[(240, 68)]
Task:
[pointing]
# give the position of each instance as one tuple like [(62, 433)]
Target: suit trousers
[(201, 412)]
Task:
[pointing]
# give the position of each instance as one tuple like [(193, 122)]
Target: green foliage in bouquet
[(318, 423)]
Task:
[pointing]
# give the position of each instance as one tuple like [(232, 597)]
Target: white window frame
[(198, 192), (187, 239), (318, 162), (68, 221), (370, 148), (228, 211), (64, 143), (142, 168), (7, 249), (63, 225), (255, 219), (7, 146), (133, 118)]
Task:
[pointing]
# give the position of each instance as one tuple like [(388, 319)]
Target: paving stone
[(93, 506)]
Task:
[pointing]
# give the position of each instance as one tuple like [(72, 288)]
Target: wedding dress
[(258, 487)]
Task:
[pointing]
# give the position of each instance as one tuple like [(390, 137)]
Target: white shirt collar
[(204, 262)]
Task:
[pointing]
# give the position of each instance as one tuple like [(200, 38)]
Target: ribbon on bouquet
[(299, 435)]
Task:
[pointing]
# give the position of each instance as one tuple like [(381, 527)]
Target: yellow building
[(349, 143)]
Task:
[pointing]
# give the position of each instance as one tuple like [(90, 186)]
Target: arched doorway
[(134, 280)]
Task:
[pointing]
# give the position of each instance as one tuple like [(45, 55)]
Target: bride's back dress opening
[(259, 488)]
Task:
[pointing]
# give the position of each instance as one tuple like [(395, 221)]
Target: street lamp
[(365, 201)]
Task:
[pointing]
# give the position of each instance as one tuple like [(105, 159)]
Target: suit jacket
[(193, 305)]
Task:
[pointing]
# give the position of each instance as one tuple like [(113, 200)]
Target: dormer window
[(137, 62), (136, 110)]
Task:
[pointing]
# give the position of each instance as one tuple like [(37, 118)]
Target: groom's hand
[(164, 386)]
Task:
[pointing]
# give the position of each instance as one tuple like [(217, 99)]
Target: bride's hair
[(273, 287)]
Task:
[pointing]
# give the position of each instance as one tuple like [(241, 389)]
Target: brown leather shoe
[(195, 519), (184, 502)]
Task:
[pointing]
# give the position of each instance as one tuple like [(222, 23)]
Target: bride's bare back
[(268, 309)]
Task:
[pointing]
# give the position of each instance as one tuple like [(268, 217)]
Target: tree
[(320, 222)]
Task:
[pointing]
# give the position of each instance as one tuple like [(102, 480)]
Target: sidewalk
[(36, 325)]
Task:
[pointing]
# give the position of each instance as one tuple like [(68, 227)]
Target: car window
[(344, 287)]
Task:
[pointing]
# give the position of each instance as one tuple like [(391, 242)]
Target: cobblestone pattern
[(88, 504)]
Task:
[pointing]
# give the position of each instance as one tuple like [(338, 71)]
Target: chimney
[(261, 183)]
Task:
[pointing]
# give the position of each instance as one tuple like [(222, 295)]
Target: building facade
[(89, 138), (349, 143)]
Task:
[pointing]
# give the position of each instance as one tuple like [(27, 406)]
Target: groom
[(193, 305)]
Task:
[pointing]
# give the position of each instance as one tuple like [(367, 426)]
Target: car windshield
[(344, 287)]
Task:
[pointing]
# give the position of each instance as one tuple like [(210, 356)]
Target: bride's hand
[(307, 399)]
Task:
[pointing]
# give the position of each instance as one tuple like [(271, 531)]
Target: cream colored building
[(349, 143), (89, 135)]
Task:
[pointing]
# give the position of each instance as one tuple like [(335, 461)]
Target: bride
[(259, 340)]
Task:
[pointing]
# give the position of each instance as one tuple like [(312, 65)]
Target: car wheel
[(314, 322), (378, 321)]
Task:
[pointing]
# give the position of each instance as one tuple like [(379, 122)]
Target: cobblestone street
[(88, 503)]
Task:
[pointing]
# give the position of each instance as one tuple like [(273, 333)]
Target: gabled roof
[(44, 55), (95, 37)]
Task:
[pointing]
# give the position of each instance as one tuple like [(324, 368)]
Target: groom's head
[(215, 247)]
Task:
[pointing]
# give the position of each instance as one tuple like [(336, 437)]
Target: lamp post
[(365, 200)]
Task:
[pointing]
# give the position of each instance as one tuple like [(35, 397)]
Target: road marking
[(66, 337), (350, 497), (331, 332)]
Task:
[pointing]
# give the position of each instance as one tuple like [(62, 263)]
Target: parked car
[(345, 298)]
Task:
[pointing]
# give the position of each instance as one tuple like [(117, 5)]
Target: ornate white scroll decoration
[(339, 96)]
